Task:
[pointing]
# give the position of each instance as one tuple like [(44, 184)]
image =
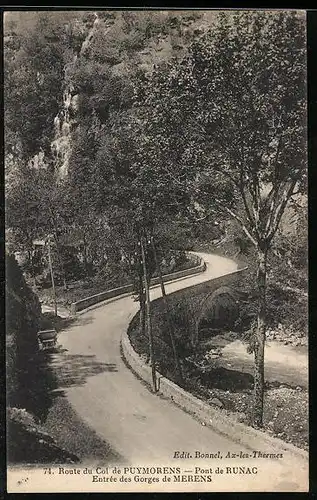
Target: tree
[(234, 109), (37, 205), (35, 62), (34, 72)]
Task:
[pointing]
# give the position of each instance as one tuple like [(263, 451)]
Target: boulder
[(216, 402)]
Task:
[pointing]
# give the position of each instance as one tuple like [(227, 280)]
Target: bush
[(29, 441)]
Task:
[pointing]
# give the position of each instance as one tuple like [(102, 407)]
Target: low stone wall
[(207, 286), (115, 292), (99, 297), (219, 420), (210, 416)]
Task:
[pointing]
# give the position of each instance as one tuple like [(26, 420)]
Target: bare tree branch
[(278, 213), (272, 198), (230, 177), (238, 219), (252, 220)]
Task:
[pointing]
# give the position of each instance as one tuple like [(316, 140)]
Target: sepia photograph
[(156, 250)]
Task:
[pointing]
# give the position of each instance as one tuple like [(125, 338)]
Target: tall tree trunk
[(141, 291), (142, 307), (260, 337), (60, 260), (171, 331), (148, 314), (85, 257), (30, 259), (195, 332)]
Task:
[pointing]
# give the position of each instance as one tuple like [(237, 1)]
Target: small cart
[(47, 339)]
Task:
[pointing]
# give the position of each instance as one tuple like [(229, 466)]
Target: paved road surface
[(141, 427), (61, 311)]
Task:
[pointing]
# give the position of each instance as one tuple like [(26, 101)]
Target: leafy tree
[(34, 72), (33, 80), (113, 170), (217, 128), (35, 62), (236, 107)]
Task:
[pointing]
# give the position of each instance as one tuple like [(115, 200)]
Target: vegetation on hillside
[(133, 134)]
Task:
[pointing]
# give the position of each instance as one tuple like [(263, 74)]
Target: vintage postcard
[(156, 250)]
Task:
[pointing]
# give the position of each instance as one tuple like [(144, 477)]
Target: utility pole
[(170, 326), (141, 290), (148, 314), (52, 274), (158, 267)]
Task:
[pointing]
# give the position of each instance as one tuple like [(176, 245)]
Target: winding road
[(141, 427)]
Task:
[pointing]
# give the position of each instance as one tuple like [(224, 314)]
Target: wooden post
[(52, 274), (158, 267), (142, 308), (141, 290), (60, 260), (170, 326), (148, 314)]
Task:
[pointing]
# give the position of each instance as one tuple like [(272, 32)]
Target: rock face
[(64, 120), (157, 49), (219, 309)]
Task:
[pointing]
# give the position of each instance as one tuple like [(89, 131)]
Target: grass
[(70, 432), (62, 438), (29, 442)]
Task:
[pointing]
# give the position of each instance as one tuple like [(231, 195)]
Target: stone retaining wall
[(219, 420), (115, 292)]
